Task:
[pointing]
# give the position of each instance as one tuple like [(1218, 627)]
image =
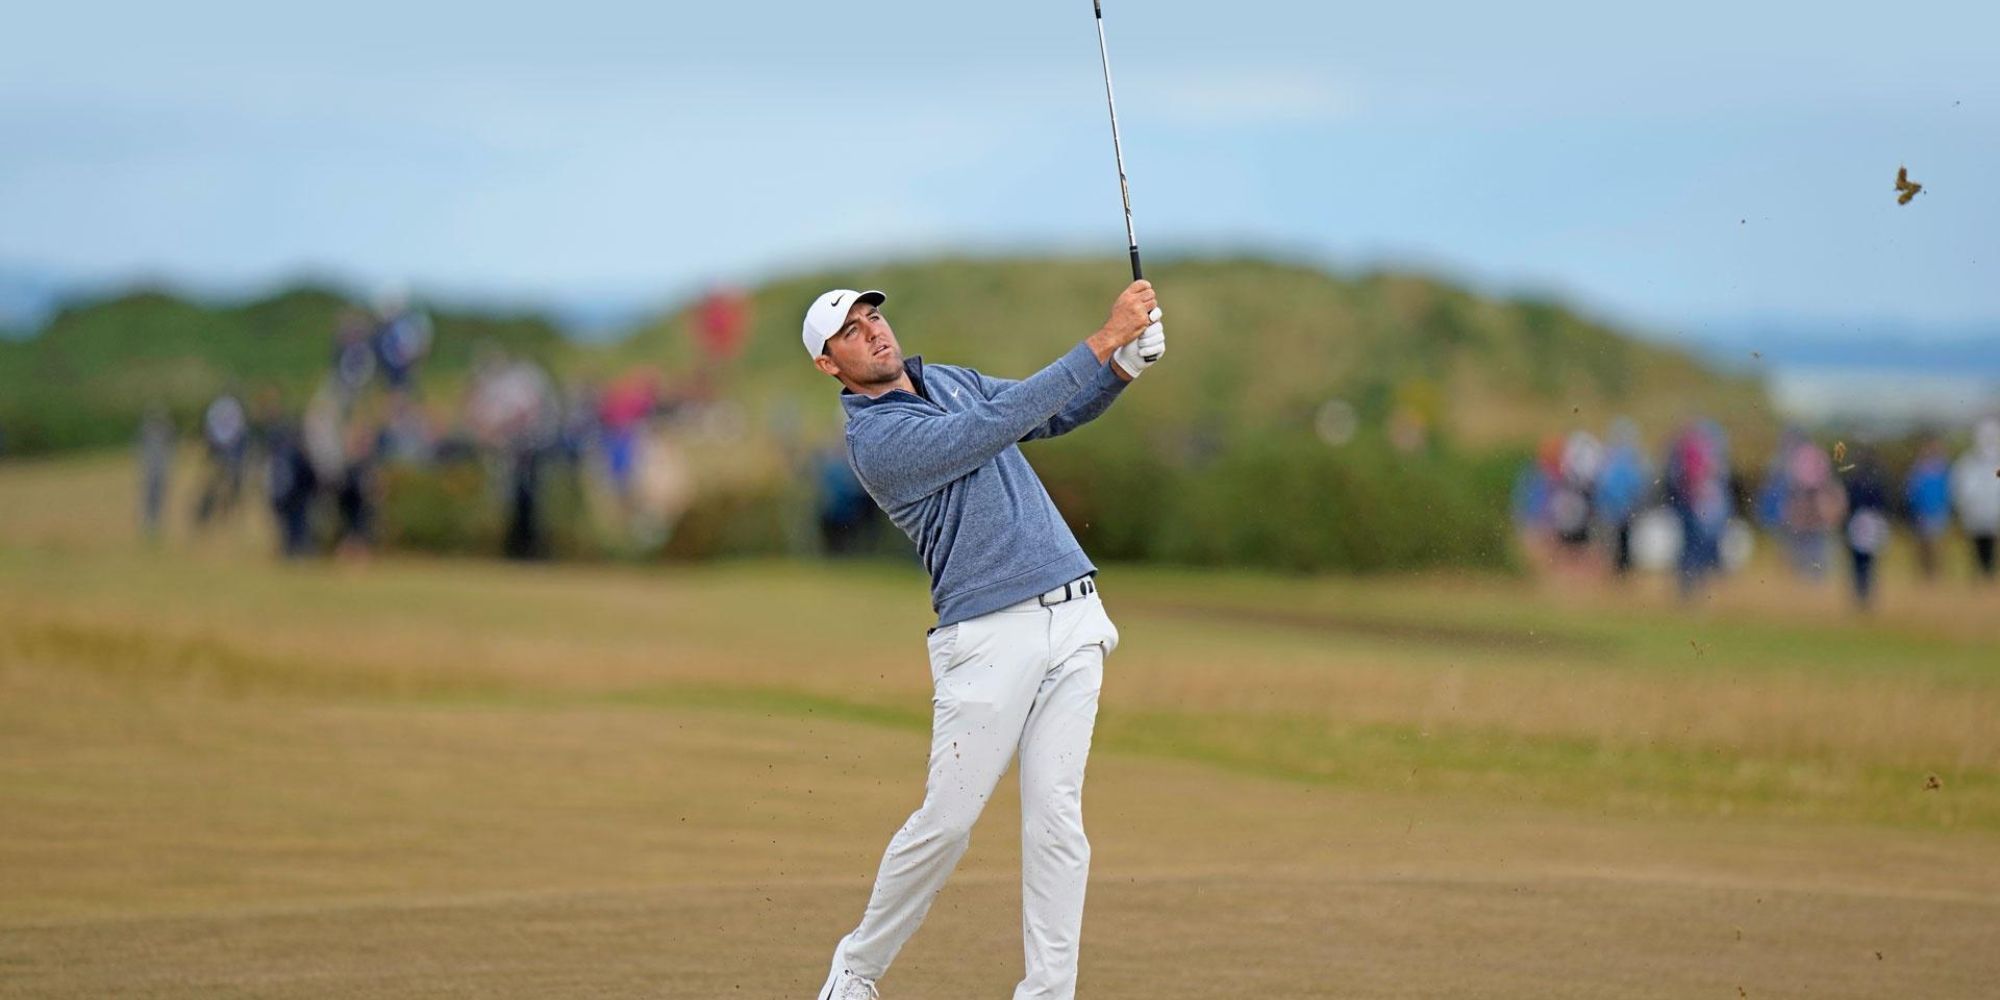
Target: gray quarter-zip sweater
[(944, 463)]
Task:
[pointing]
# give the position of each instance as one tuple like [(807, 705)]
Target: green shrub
[(461, 508), (446, 509), (1288, 503), (737, 522)]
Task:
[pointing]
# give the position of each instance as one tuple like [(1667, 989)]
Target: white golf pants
[(1023, 678)]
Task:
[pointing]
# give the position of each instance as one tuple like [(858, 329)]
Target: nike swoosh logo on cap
[(836, 300)]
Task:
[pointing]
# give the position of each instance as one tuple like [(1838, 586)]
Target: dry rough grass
[(220, 777)]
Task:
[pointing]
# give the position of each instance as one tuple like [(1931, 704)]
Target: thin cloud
[(1256, 97)]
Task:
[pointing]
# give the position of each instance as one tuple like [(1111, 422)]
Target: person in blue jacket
[(1017, 654), (1928, 493)]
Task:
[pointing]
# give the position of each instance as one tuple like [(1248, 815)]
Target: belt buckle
[(1070, 591)]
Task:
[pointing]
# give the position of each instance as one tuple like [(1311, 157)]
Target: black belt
[(1082, 586)]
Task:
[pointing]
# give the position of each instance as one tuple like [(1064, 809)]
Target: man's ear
[(827, 365)]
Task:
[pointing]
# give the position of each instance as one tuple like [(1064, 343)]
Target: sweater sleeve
[(1081, 409), (905, 456)]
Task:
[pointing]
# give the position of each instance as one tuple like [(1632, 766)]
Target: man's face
[(863, 351)]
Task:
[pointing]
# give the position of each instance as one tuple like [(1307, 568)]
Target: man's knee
[(1053, 825), (1065, 846), (948, 823)]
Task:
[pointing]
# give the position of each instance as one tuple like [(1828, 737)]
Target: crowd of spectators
[(1826, 505)]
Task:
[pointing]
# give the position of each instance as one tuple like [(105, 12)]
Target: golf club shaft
[(1117, 150)]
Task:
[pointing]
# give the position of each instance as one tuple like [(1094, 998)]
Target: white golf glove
[(1144, 352)]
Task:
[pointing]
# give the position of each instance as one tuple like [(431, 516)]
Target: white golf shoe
[(844, 985)]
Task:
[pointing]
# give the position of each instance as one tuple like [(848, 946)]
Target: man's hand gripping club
[(1133, 338)]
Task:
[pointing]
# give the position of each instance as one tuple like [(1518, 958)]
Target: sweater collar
[(914, 365)]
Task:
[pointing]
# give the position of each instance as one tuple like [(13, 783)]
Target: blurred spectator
[(267, 410), (513, 412), (1570, 502), (402, 339), (322, 436), (225, 431), (156, 456), (353, 352), (406, 433), (355, 494), (621, 414), (847, 522), (663, 490), (1867, 522), (291, 485), (341, 438), (720, 322), (1697, 491), (1621, 487), (1928, 492), (1770, 501), (1534, 492), (1975, 493), (1813, 506), (581, 430)]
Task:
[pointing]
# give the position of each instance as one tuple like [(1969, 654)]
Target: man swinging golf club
[(1018, 652)]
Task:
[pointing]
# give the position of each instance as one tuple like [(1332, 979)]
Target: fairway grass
[(191, 847), (225, 777), (1816, 724)]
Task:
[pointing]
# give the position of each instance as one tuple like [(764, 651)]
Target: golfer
[(1017, 655)]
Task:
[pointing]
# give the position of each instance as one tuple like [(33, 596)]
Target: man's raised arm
[(905, 456)]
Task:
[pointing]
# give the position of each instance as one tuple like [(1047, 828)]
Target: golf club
[(1118, 152)]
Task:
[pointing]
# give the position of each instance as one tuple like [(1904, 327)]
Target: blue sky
[(1690, 164)]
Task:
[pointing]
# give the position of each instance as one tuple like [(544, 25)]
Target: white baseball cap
[(828, 314)]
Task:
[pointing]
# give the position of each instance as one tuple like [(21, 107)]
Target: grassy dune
[(1491, 371), (221, 776)]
